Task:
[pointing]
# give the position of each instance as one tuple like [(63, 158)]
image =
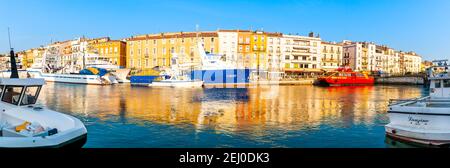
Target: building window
[(247, 48), (164, 50), (115, 50), (447, 83), (154, 51), (240, 48), (437, 84), (146, 62), (247, 40), (212, 40)]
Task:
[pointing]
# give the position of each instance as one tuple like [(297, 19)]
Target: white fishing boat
[(178, 77), (24, 124), (424, 120)]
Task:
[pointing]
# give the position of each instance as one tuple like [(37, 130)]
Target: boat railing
[(417, 100), (408, 101)]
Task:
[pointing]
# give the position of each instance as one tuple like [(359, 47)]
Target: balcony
[(330, 60)]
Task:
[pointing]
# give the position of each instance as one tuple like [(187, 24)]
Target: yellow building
[(258, 44), (148, 51), (30, 56), (252, 49), (113, 50)]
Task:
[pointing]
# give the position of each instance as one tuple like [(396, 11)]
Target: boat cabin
[(20, 92), (440, 87), (440, 81)]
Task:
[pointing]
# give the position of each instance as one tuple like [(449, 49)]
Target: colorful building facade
[(152, 50), (112, 50)]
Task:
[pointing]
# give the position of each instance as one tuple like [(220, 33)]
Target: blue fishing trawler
[(214, 70)]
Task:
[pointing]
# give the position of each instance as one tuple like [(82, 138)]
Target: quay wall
[(284, 82), (402, 80)]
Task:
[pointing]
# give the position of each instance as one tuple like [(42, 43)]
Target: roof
[(173, 35), (237, 30), (21, 82)]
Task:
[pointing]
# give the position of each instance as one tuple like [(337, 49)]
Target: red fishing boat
[(345, 76)]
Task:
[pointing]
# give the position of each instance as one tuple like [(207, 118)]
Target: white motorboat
[(53, 71), (73, 78), (120, 73), (177, 77), (177, 83), (424, 120), (23, 124)]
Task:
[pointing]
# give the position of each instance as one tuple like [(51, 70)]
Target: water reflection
[(269, 116)]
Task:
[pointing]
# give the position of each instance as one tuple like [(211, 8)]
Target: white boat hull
[(75, 78), (177, 84), (75, 137), (424, 123)]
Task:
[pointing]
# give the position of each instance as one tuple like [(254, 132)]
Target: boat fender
[(22, 126), (394, 131)]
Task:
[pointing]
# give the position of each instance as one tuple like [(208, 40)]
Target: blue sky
[(418, 25)]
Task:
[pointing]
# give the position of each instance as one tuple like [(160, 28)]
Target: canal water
[(266, 116)]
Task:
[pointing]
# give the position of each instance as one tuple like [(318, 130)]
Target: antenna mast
[(12, 59), (9, 39)]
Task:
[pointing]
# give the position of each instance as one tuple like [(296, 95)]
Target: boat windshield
[(12, 94), (30, 96)]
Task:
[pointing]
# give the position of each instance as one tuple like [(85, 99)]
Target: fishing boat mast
[(12, 56)]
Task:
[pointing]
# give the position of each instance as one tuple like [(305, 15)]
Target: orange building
[(113, 50)]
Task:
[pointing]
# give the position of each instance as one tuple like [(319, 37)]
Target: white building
[(410, 62), (332, 55), (360, 56), (302, 55), (228, 44), (276, 51)]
